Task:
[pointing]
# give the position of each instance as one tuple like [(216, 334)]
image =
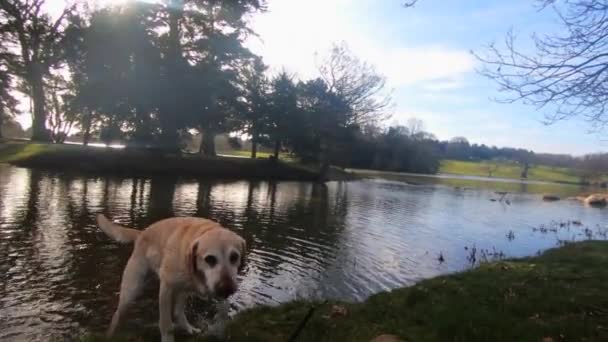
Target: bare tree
[(358, 83), (32, 39), (568, 71), (415, 126), (459, 140)]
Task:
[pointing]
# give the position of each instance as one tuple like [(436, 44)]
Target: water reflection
[(464, 183), (59, 274)]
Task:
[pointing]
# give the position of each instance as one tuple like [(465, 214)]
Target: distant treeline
[(410, 149), (461, 149)]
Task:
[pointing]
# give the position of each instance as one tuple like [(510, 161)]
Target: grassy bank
[(560, 189), (260, 154), (561, 295), (511, 170), (140, 162)]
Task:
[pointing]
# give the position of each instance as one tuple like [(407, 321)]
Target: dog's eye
[(211, 260), (234, 257)]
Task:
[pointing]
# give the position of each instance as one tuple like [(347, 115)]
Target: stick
[(302, 324)]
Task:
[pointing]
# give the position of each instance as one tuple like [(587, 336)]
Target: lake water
[(59, 275)]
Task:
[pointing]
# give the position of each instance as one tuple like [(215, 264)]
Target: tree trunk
[(175, 14), (86, 125), (1, 119), (210, 144), (168, 119), (39, 131), (108, 138), (524, 173), (143, 133), (55, 120), (201, 145), (254, 141), (254, 147), (207, 146), (324, 160), (277, 148)]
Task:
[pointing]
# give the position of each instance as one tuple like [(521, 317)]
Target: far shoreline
[(117, 159), (458, 176), (142, 162)]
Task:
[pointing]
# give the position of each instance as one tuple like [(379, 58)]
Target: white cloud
[(478, 126), (291, 32), (443, 84), (497, 129), (409, 66)]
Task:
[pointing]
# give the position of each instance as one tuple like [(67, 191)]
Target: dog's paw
[(192, 330), (189, 329), (218, 330), (167, 338)]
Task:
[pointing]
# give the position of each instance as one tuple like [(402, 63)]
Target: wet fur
[(175, 249)]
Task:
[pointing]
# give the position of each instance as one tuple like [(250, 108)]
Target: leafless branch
[(568, 72), (358, 83)]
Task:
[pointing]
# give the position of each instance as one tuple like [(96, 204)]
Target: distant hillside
[(507, 169)]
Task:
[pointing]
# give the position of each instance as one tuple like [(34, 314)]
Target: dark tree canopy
[(32, 39), (283, 110), (154, 74), (566, 74), (120, 61), (8, 103), (255, 105)]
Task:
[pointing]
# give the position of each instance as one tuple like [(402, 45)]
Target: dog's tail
[(117, 232)]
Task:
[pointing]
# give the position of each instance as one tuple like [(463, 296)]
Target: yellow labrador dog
[(188, 254)]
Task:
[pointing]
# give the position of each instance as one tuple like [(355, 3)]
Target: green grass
[(131, 162), (10, 152), (560, 189), (510, 170), (562, 295), (264, 155)]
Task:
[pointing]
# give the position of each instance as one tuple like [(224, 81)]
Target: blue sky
[(425, 54)]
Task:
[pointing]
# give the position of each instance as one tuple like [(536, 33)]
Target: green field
[(260, 154), (510, 170), (134, 162), (564, 190), (561, 295)]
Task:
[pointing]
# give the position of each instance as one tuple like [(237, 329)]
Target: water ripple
[(60, 275)]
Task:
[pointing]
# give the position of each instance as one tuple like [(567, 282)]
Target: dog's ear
[(192, 257), (243, 247)]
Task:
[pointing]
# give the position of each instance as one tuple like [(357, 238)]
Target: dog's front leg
[(218, 327), (165, 308), (180, 314)]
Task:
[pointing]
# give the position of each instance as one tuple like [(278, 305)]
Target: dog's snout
[(226, 287)]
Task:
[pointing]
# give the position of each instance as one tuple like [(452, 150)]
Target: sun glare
[(106, 3)]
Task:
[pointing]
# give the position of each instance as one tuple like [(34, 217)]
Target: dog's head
[(215, 260)]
